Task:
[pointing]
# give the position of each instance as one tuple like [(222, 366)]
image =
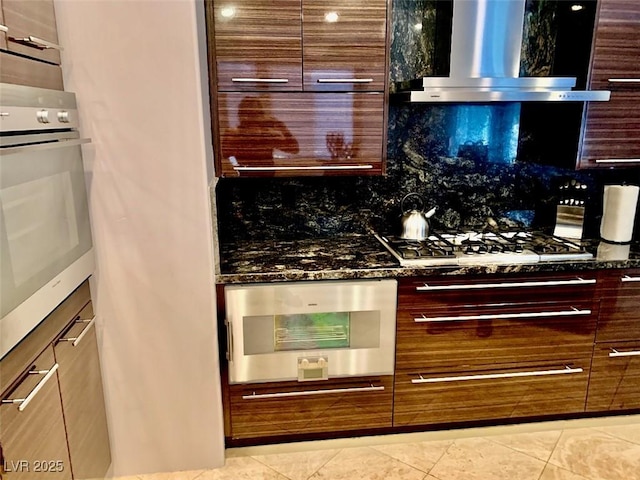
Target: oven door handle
[(44, 146), (301, 393)]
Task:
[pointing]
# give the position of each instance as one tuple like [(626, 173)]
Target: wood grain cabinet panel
[(284, 133), (259, 410), (83, 400), (476, 393), (33, 440), (493, 334), (258, 44), (620, 307), (615, 377), (344, 45), (33, 18), (610, 133)]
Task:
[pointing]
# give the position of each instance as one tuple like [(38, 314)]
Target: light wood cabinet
[(83, 398), (611, 130), (496, 347), (29, 47), (303, 67), (32, 437), (63, 425)]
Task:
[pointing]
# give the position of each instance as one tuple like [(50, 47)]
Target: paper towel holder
[(618, 213)]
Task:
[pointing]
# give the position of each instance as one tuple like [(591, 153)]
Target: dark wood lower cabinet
[(289, 408), (615, 377), (503, 392)]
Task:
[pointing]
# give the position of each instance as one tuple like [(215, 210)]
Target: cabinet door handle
[(24, 402), (4, 28), (491, 376), (618, 160), (303, 393), (502, 316), (36, 42), (627, 278), (472, 286), (260, 80), (229, 340), (345, 80), (623, 80), (615, 353), (76, 340), (315, 167)]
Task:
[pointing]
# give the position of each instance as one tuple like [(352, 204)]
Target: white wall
[(136, 68)]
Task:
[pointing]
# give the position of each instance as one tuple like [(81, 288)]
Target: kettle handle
[(413, 194)]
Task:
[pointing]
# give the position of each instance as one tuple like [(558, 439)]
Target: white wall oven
[(45, 235), (310, 330)]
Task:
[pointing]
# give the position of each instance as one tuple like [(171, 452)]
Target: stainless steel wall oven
[(310, 330)]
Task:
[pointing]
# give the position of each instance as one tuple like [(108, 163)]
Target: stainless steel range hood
[(485, 61)]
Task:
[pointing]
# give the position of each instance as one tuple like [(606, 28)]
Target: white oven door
[(44, 229), (310, 330)]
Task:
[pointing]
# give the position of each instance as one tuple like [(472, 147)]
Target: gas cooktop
[(483, 248)]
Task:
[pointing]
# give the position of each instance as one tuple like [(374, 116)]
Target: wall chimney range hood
[(486, 42)]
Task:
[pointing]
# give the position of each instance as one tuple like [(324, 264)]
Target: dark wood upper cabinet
[(298, 87), (300, 133), (344, 45), (611, 131), (258, 44)]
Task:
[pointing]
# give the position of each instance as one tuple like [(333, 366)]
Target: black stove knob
[(518, 248), (469, 250), (495, 249), (482, 249)]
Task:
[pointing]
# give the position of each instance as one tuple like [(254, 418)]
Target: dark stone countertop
[(362, 256)]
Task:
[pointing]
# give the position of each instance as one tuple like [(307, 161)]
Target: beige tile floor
[(586, 449)]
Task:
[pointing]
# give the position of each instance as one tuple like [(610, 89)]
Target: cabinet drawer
[(23, 71), (258, 44), (615, 377), (287, 408), (34, 437), (345, 51), (619, 319), (443, 291), (32, 29), (432, 396), (494, 333), (300, 133)]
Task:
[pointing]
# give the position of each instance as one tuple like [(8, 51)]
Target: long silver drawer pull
[(616, 353), (618, 160), (78, 339), (315, 167), (260, 80), (3, 28), (472, 286), (624, 80), (627, 278), (500, 316), (255, 396), (345, 80), (24, 402), (44, 146), (229, 340), (491, 376), (36, 42)]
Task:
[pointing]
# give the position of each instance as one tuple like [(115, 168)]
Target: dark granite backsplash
[(474, 162)]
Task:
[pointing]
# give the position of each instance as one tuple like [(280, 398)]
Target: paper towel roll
[(618, 212)]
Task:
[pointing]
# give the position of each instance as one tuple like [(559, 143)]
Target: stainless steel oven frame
[(251, 330)]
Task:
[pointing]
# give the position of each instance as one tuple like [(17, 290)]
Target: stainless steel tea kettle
[(415, 223)]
